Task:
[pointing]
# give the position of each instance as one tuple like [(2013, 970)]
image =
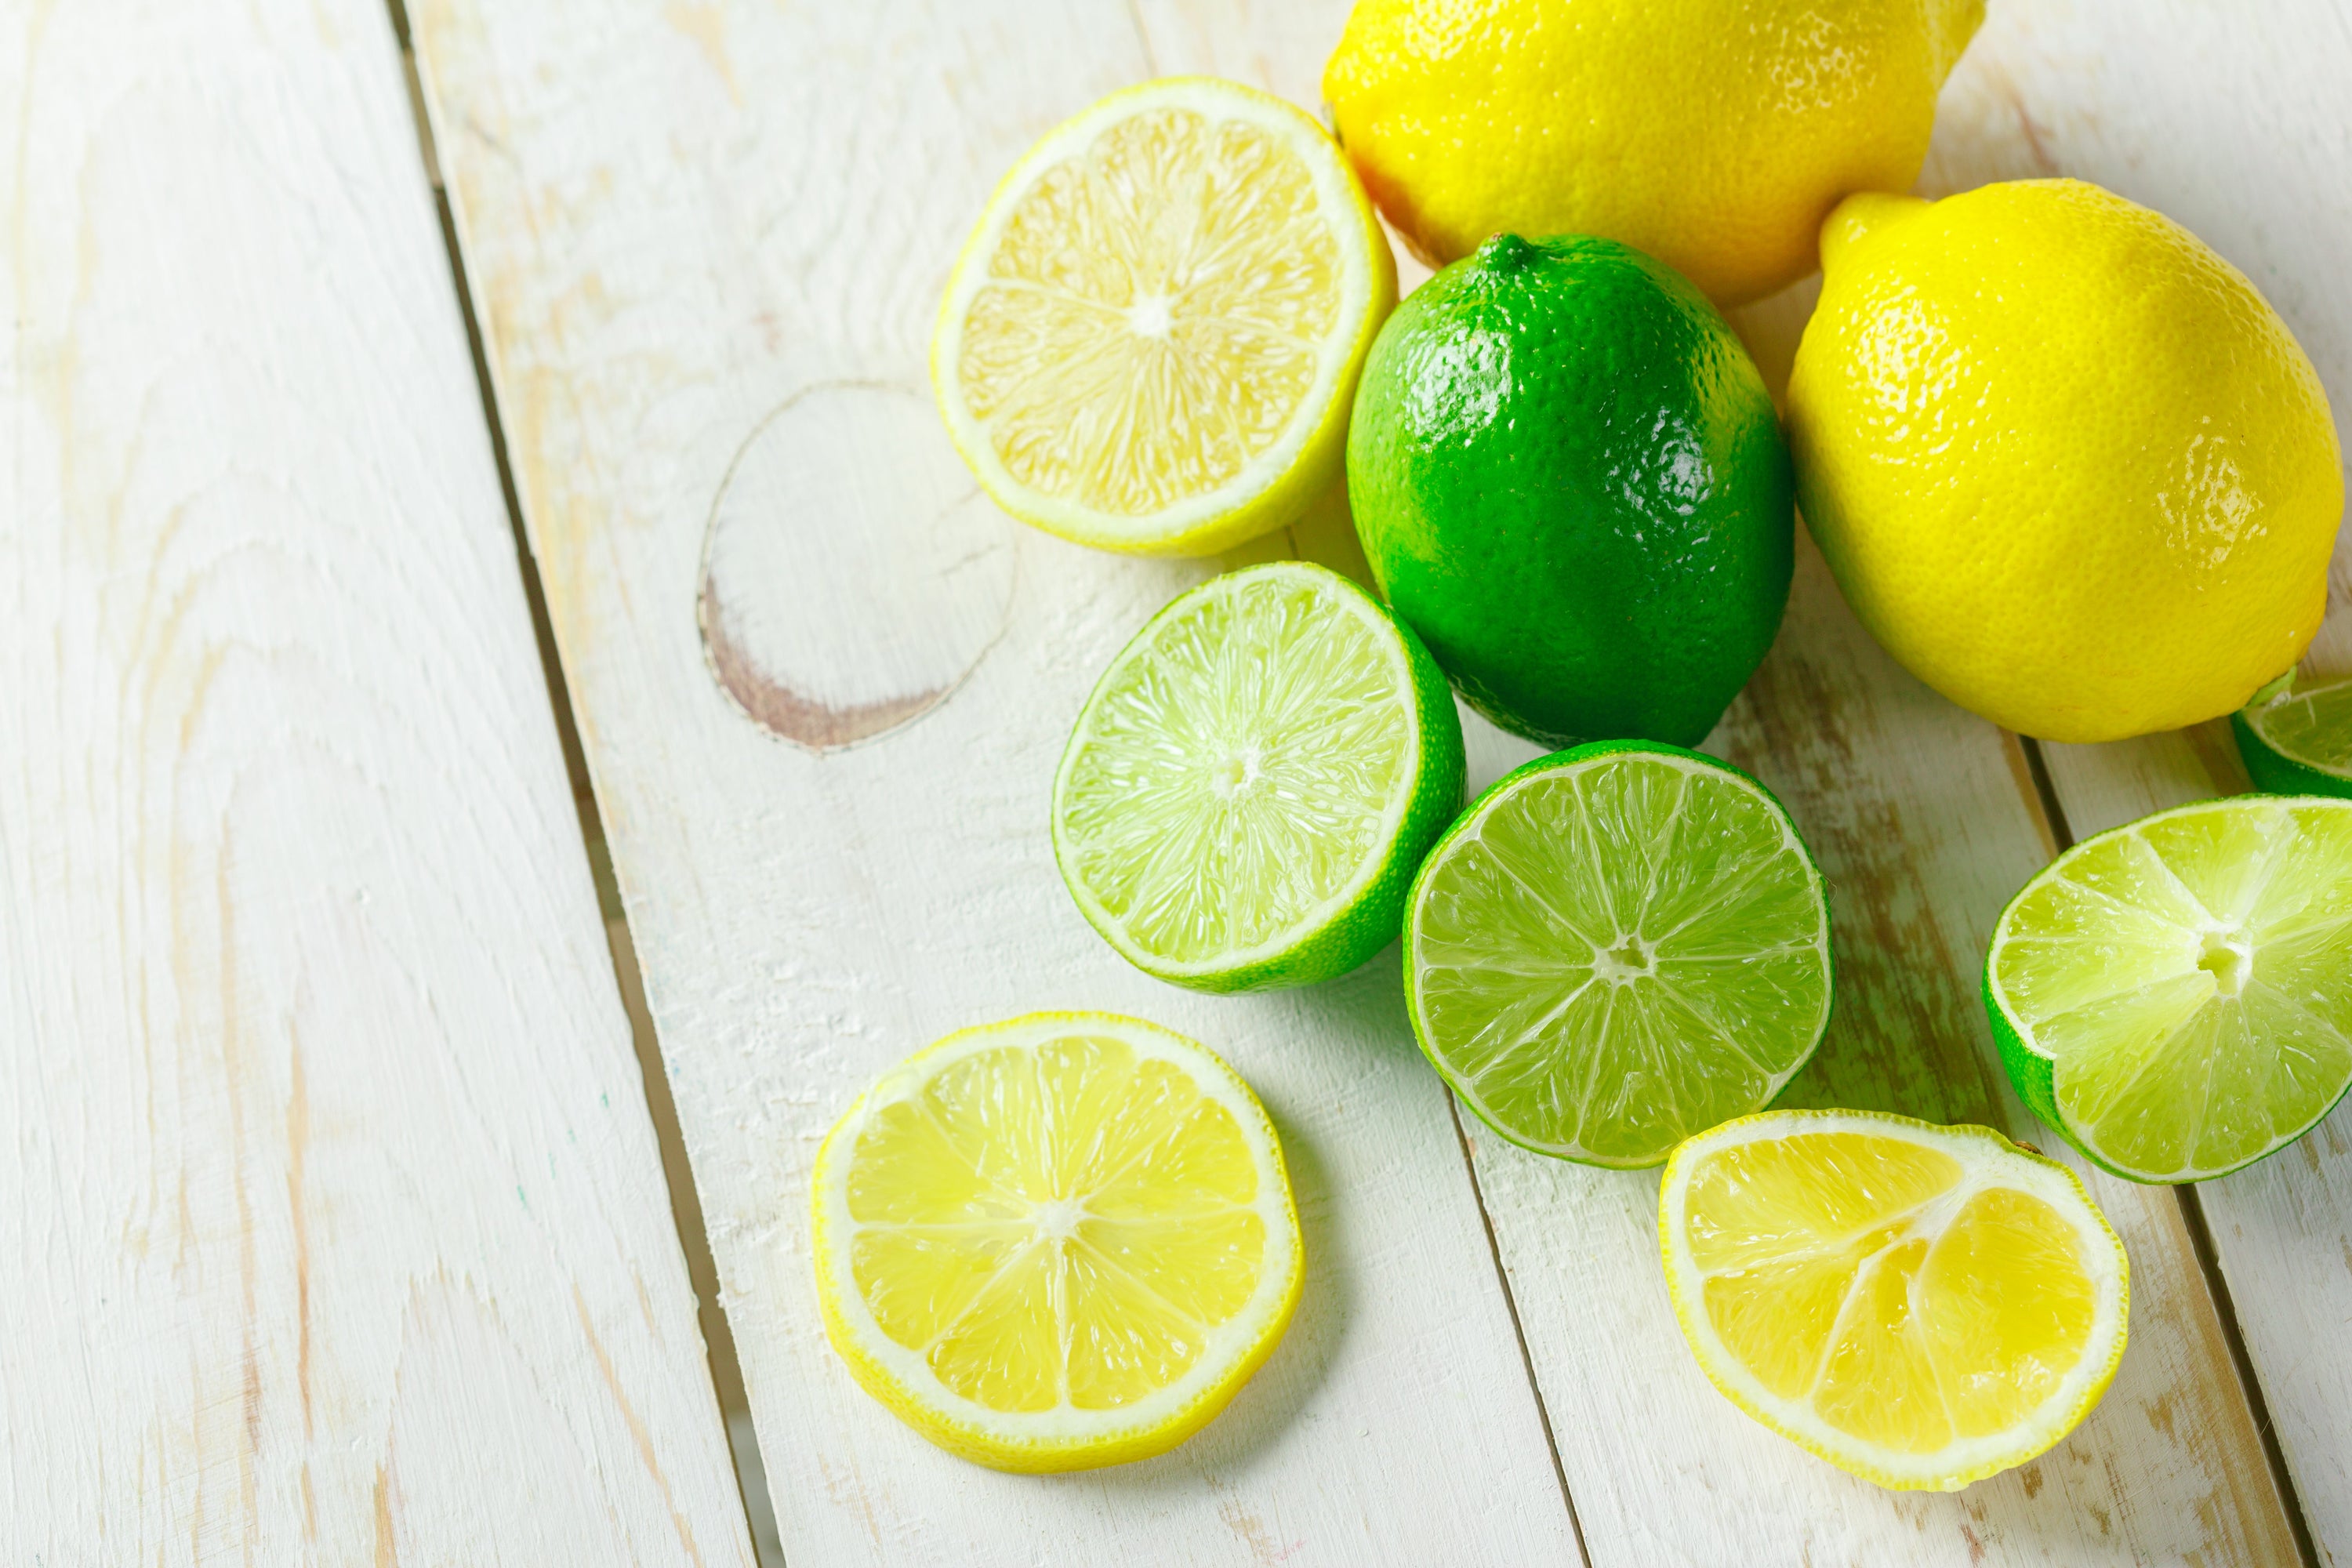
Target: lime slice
[(1254, 780), (1617, 946), (1060, 1241), (2297, 740), (2174, 997), (1923, 1306)]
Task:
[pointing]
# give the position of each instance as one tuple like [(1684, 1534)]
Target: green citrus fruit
[(2174, 997), (1254, 780), (1569, 478), (1618, 947), (2296, 738)]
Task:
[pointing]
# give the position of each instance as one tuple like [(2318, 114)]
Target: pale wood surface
[(707, 244), (2257, 170), (334, 1229)]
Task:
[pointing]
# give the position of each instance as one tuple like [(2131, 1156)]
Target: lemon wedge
[(1057, 1242), (1151, 340), (1921, 1306)]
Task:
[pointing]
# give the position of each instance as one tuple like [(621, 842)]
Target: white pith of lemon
[(1922, 1306), (1150, 341), (1055, 1242)]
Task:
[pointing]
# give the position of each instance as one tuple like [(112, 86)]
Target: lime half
[(1254, 780), (2297, 740), (1617, 946), (2174, 997)]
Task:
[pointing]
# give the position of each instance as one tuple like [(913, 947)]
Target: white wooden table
[(335, 1224)]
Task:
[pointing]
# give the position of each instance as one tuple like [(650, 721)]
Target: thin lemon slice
[(1055, 1242), (1254, 780), (2174, 996), (1921, 1306), (1151, 340), (2296, 737)]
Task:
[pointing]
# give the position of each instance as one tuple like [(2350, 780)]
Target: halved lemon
[(1151, 340), (1060, 1241), (1922, 1306)]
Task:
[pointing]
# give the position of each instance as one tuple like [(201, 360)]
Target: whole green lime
[(1569, 478)]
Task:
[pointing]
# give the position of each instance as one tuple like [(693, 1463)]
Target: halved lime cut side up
[(2297, 739), (2174, 997), (1617, 947), (1251, 787)]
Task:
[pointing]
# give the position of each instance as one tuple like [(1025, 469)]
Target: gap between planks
[(1518, 1330), (677, 1174), (2042, 799)]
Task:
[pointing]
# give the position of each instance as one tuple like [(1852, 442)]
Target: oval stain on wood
[(853, 574)]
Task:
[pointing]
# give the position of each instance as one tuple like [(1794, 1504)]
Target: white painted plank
[(335, 1228), (707, 244), (2245, 135)]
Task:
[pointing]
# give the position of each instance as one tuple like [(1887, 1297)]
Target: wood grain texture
[(678, 223), (2251, 155), (334, 1228)]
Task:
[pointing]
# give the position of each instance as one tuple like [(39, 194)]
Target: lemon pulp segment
[(1059, 1241)]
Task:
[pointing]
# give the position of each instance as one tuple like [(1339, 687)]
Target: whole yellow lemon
[(2069, 466), (1715, 135)]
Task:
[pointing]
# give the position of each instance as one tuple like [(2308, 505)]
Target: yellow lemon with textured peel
[(1151, 340), (2068, 466), (1060, 1241), (1922, 1306), (1714, 138)]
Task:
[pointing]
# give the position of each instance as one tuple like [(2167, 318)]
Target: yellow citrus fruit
[(2067, 463), (1714, 139), (1151, 339), (1922, 1306), (1055, 1242)]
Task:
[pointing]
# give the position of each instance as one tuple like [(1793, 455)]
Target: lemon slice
[(1151, 339), (1922, 1306), (1055, 1242)]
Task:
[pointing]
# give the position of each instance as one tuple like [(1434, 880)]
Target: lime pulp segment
[(1617, 947), (2300, 741), (1255, 774), (2174, 996)]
